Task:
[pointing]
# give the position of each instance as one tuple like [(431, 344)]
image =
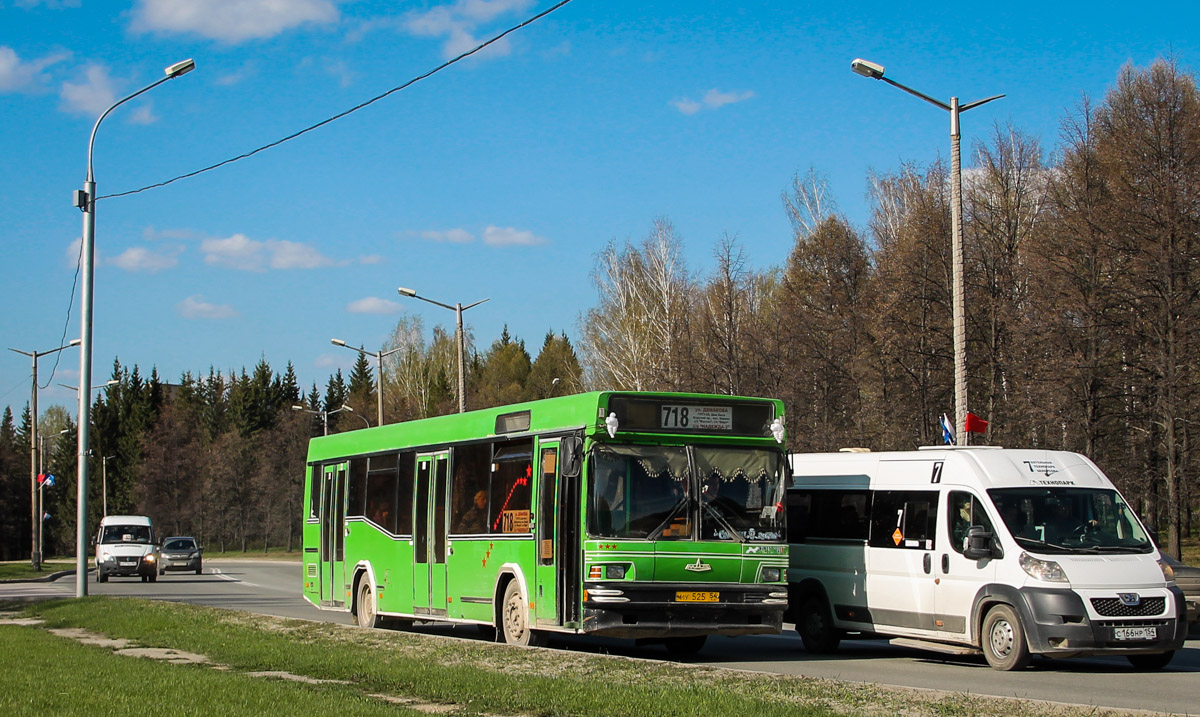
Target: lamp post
[(35, 555), (106, 384), (378, 356), (104, 473), (356, 415), (875, 72), (324, 414), (43, 480), (85, 199), (458, 310)]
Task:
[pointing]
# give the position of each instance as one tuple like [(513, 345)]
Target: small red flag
[(975, 424)]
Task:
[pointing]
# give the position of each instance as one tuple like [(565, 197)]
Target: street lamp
[(325, 414), (44, 481), (356, 415), (104, 473), (378, 356), (85, 199), (35, 555), (458, 310), (875, 72)]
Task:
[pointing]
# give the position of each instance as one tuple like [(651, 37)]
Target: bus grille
[(1113, 607)]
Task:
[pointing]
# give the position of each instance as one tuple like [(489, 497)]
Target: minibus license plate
[(692, 596), (1135, 633)]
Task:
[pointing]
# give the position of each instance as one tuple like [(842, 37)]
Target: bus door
[(430, 505), (545, 596), (333, 526)]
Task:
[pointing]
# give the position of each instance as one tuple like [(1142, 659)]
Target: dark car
[(180, 553), (1187, 577)]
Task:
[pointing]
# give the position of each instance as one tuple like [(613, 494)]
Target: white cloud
[(143, 260), (458, 22), (195, 307), (246, 254), (686, 106), (326, 361), (231, 21), (248, 69), (369, 259), (17, 76), (373, 305), (454, 236), (713, 99), (144, 115), (92, 96), (508, 236), (340, 71)]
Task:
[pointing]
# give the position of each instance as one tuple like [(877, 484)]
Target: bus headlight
[(1046, 570), (771, 575), (614, 572)]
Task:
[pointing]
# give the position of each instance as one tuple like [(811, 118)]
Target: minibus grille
[(1113, 607)]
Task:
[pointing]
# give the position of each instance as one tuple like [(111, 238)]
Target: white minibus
[(976, 549)]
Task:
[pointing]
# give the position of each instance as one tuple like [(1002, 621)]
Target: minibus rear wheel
[(1154, 661)]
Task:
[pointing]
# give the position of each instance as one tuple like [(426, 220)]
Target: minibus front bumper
[(1058, 624), (630, 609)]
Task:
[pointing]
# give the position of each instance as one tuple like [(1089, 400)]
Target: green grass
[(23, 570), (42, 674), (475, 676)]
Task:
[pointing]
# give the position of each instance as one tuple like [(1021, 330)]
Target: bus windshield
[(1071, 520), (675, 492)]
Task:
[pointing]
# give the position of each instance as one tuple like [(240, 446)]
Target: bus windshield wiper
[(721, 520), (671, 515)]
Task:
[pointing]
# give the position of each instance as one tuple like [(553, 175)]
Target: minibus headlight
[(150, 558), (1046, 570), (1168, 571)]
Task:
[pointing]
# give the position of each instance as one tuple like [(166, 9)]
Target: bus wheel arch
[(511, 614), (363, 593)]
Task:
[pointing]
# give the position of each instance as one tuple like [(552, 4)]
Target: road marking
[(217, 572)]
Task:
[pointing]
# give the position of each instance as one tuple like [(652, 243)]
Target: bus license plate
[(1135, 633), (697, 596)]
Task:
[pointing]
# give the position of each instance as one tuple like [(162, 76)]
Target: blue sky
[(499, 177)]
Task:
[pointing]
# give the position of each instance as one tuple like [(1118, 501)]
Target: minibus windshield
[(1071, 520)]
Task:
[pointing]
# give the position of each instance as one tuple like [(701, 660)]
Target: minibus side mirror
[(981, 544)]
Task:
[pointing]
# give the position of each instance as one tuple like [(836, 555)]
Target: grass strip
[(43, 674), (484, 678)]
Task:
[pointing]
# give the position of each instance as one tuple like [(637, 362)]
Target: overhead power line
[(352, 110)]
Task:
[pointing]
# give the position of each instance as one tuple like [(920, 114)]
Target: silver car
[(181, 553)]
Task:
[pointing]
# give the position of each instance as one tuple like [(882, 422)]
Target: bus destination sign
[(696, 418)]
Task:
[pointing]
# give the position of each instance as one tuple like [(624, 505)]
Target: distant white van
[(976, 549), (126, 545)]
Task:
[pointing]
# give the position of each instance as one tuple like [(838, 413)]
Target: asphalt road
[(273, 588)]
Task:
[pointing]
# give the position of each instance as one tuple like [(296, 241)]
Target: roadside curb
[(48, 578)]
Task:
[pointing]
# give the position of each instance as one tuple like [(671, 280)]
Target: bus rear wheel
[(514, 619), (367, 615)]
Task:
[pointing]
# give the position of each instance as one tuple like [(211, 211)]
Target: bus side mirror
[(572, 449), (981, 544)]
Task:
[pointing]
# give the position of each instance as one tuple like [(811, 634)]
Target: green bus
[(629, 514)]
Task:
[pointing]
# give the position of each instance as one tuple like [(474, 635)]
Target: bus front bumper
[(629, 609)]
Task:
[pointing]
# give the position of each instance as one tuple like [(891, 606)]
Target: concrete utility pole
[(35, 508), (875, 72)]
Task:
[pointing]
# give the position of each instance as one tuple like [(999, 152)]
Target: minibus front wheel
[(1004, 644)]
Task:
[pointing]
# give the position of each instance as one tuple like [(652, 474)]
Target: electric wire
[(340, 115), (67, 323)]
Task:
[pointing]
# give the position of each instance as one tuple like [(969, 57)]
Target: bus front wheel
[(514, 619), (367, 615)]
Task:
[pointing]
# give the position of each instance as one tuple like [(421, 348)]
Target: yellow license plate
[(697, 597)]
